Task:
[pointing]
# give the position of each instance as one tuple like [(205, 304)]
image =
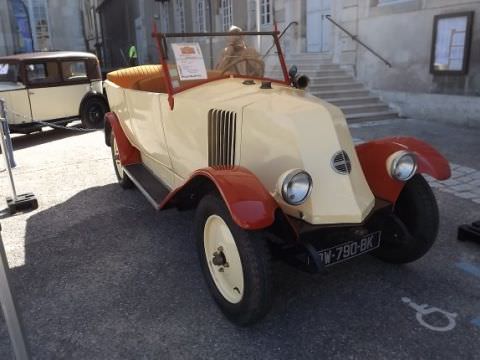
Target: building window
[(227, 14), (40, 25), (201, 15), (74, 70), (265, 12), (452, 35), (43, 73), (179, 16)]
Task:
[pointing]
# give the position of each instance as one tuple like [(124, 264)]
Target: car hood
[(7, 86), (294, 130)]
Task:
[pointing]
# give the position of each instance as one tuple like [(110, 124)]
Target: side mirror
[(293, 71)]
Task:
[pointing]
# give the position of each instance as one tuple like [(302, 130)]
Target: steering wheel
[(246, 60)]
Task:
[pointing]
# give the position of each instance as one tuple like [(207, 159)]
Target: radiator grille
[(222, 128), (341, 163)]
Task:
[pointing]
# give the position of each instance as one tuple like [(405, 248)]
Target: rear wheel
[(93, 113), (122, 178), (235, 263), (417, 208)]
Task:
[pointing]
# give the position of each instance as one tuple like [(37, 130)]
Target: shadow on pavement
[(107, 277), (38, 138)]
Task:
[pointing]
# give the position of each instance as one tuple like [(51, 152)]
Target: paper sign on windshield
[(190, 63), (3, 69)]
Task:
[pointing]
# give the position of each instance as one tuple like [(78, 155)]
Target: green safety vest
[(132, 52)]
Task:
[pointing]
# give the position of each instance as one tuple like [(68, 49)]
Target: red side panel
[(128, 154), (374, 154), (250, 204)]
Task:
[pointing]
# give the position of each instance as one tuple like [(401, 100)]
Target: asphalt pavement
[(98, 274)]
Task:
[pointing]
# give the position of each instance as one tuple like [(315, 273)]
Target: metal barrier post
[(6, 131), (16, 202), (14, 326)]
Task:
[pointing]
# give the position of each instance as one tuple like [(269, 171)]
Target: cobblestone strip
[(464, 182)]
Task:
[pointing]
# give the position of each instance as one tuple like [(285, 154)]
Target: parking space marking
[(464, 182), (469, 268), (476, 321), (424, 310)]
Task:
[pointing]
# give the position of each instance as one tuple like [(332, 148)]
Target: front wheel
[(93, 113), (417, 208), (122, 178), (235, 263)]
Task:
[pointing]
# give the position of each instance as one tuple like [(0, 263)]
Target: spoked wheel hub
[(95, 114), (116, 158), (223, 259)]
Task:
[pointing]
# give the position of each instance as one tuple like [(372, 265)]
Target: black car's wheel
[(417, 209), (122, 178), (235, 263), (93, 113)]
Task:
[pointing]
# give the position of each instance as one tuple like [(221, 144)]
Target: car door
[(52, 97), (14, 93), (76, 84)]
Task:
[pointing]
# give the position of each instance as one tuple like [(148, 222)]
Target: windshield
[(8, 72), (194, 59)]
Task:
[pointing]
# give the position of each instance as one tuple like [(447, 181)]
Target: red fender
[(250, 204), (373, 156), (128, 154)]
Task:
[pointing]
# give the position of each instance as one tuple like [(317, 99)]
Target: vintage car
[(55, 87), (271, 171)]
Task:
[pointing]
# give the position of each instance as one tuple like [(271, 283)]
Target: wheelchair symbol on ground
[(424, 310)]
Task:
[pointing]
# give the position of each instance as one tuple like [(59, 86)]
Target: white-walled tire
[(235, 263), (122, 178)]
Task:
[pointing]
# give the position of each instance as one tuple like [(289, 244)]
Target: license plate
[(348, 250)]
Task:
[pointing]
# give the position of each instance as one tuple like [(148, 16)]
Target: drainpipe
[(210, 26), (257, 10)]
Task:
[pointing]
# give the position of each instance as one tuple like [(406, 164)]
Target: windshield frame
[(161, 40)]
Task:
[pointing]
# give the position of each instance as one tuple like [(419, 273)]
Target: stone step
[(310, 56), (303, 62), (357, 100), (314, 73), (370, 116), (352, 85), (314, 80), (364, 108), (331, 94)]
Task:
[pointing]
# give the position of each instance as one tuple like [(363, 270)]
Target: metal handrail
[(355, 38), (279, 37)]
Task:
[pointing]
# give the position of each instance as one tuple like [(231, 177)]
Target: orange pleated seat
[(128, 78)]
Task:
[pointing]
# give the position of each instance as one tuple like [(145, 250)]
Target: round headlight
[(403, 166), (296, 187)]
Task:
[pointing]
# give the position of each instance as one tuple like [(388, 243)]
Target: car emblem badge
[(341, 163)]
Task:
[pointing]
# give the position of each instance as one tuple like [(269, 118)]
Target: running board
[(148, 184)]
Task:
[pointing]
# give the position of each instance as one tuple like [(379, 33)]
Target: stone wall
[(66, 26), (402, 33), (6, 37)]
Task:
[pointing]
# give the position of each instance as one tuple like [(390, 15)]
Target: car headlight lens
[(296, 186), (403, 165)]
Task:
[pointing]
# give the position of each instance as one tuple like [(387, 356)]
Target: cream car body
[(269, 169), (277, 130), (51, 87)]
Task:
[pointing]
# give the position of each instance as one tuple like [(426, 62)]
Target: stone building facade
[(40, 25), (400, 31)]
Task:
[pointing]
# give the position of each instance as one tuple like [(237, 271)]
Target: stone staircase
[(333, 84)]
